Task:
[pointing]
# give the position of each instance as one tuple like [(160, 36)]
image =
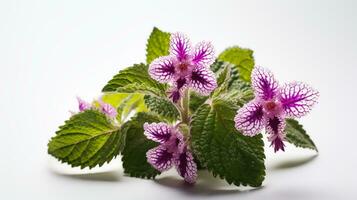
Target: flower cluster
[(172, 151), (272, 104), (192, 130), (185, 67), (105, 108)]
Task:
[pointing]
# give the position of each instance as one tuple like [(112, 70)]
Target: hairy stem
[(185, 109)]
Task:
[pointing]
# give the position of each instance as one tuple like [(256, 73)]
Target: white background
[(51, 51)]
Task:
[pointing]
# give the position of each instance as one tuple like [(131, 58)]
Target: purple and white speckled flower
[(272, 104), (83, 105), (107, 109), (185, 67), (172, 151)]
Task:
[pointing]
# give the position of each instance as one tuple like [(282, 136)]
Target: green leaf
[(158, 45), (87, 139), (135, 79), (223, 80), (296, 135), (136, 145), (196, 101), (242, 59), (222, 149), (162, 106), (126, 104), (140, 88)]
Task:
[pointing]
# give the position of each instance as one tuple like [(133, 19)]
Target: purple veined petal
[(203, 54), (158, 132), (250, 118), (174, 95), (176, 143), (297, 99), (180, 46), (162, 69), (275, 128), (175, 91), (107, 109), (203, 80), (186, 166), (83, 105), (264, 84), (160, 158)]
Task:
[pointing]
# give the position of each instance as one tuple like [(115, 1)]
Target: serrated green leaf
[(222, 149), (87, 139), (158, 45), (134, 154), (242, 59), (162, 106), (135, 77), (140, 88), (223, 80), (196, 101), (296, 135)]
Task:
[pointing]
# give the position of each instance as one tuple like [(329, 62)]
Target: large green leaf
[(162, 106), (296, 135), (158, 45), (242, 59), (87, 139), (135, 79), (134, 154), (222, 149)]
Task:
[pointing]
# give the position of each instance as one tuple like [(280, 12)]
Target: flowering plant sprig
[(188, 109)]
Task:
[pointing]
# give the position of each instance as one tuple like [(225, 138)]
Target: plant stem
[(185, 103)]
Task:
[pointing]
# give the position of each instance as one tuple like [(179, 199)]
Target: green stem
[(185, 109)]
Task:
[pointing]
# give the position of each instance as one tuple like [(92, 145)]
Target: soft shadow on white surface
[(110, 176), (207, 185), (293, 162)]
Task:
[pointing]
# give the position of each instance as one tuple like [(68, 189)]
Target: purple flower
[(107, 109), (83, 105), (185, 67), (272, 104), (172, 151)]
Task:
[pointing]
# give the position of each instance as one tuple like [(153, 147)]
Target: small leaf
[(135, 77), (126, 104), (162, 106), (158, 45), (223, 80), (87, 139), (222, 149), (136, 145), (242, 59), (296, 135), (196, 101)]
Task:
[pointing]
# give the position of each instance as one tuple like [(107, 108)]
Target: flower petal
[(250, 118), (162, 69), (203, 54), (203, 80), (180, 46), (275, 128), (297, 99), (158, 132), (83, 105), (264, 84), (107, 109), (160, 158), (186, 166)]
